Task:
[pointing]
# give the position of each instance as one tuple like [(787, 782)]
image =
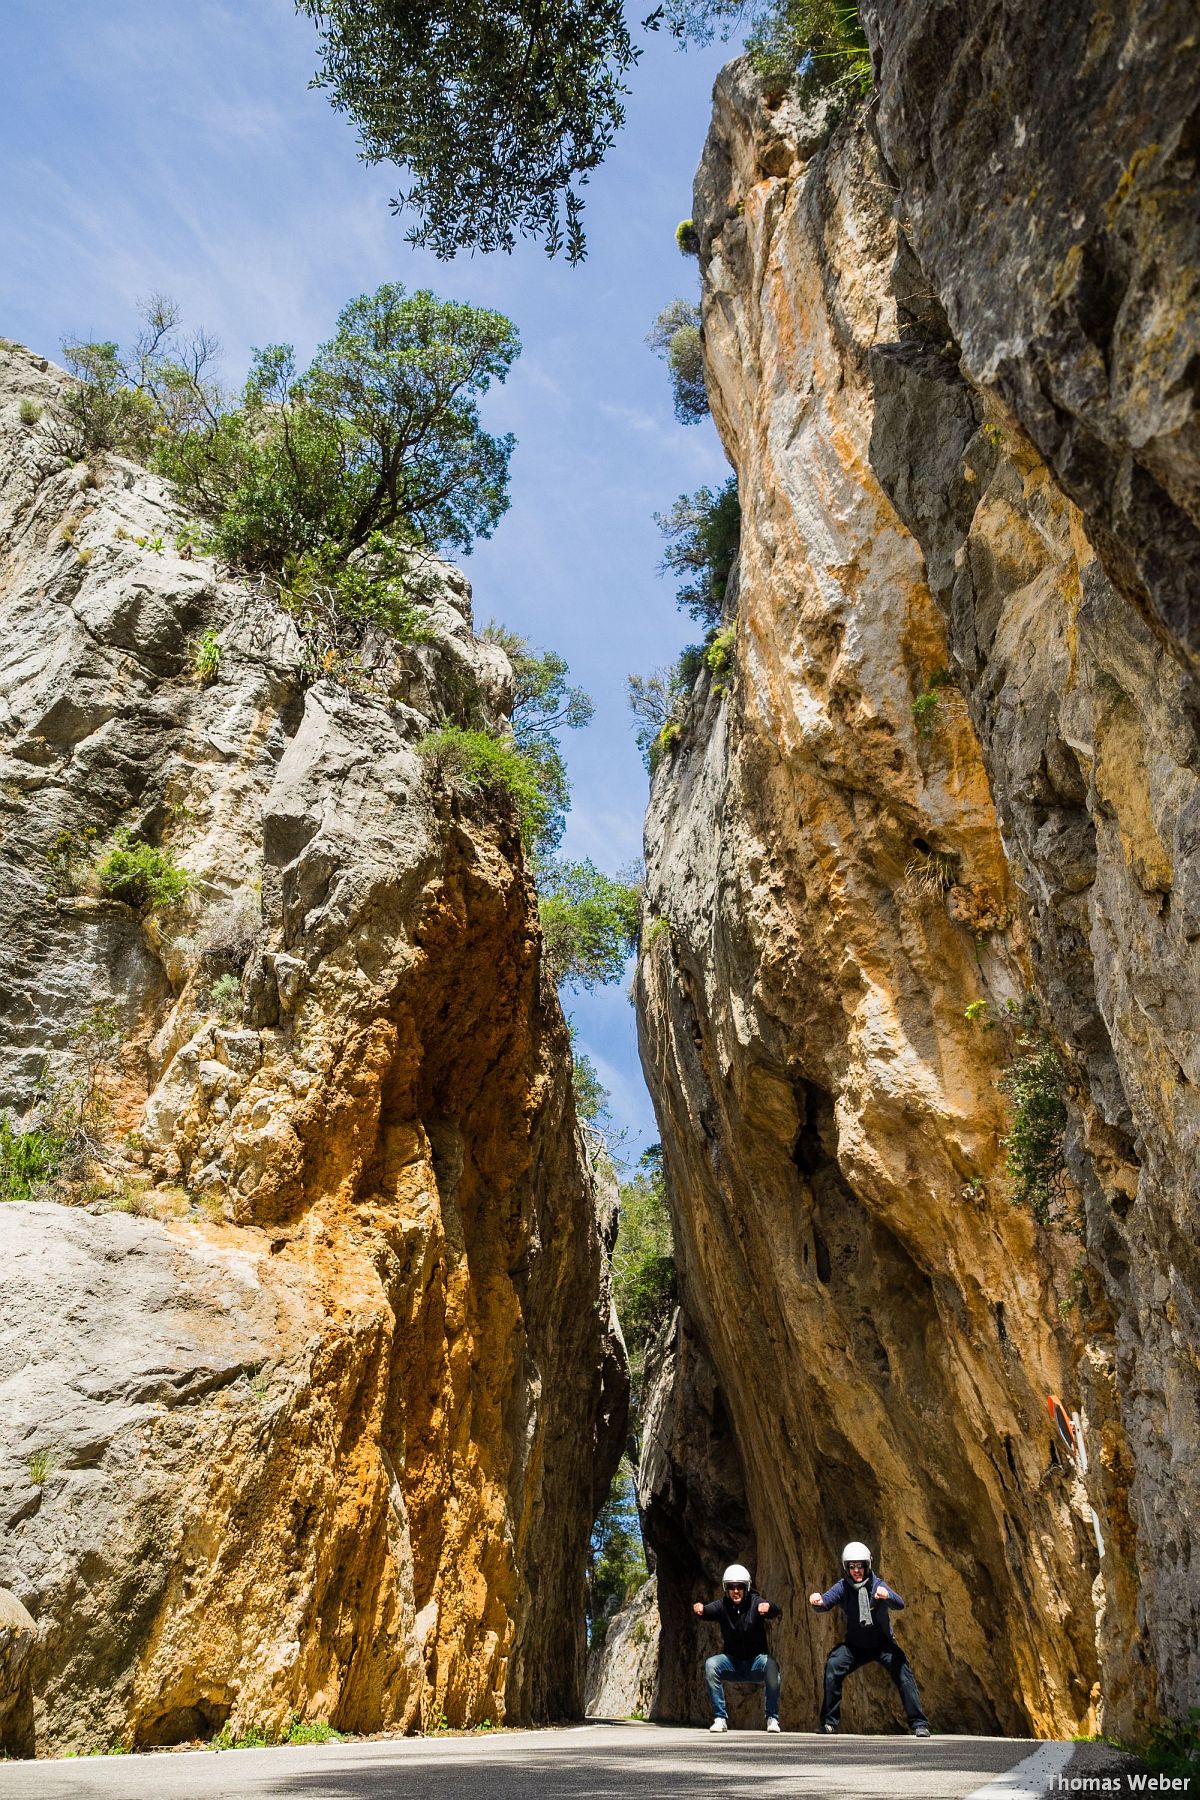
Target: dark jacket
[(843, 1593), (744, 1628)]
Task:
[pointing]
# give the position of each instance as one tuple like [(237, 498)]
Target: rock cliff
[(953, 764), (309, 1393), (1047, 187)]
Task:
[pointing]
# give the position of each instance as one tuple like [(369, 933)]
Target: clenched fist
[(814, 1599), (881, 1593), (698, 1607), (764, 1606)]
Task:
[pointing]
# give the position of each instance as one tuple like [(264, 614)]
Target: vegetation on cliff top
[(379, 434), (703, 532), (500, 115), (822, 41)]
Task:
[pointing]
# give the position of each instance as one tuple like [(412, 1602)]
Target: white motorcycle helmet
[(856, 1552), (736, 1576)]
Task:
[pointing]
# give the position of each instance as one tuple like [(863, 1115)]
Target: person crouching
[(742, 1615), (867, 1604)]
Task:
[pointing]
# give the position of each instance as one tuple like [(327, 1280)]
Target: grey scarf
[(865, 1615)]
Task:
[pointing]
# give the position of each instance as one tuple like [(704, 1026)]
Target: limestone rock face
[(307, 1398), (622, 1672), (1046, 159), (1066, 262), (692, 1501), (883, 1325)]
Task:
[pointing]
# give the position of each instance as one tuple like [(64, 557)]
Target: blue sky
[(174, 145)]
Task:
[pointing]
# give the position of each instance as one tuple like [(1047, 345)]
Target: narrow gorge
[(314, 1396), (946, 787)]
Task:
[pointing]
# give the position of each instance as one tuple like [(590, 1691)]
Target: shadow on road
[(733, 1770)]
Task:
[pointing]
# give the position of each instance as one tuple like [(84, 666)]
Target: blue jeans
[(723, 1668)]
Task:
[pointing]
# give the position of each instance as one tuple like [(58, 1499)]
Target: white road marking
[(1031, 1779)]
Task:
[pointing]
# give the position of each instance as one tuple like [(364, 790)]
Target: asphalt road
[(597, 1761)]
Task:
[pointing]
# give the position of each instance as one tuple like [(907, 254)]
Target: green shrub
[(29, 1159), (1174, 1750), (658, 928), (252, 1737), (719, 654), (484, 763), (31, 412), (687, 237), (225, 996), (1035, 1082), (192, 537), (143, 875), (676, 337), (206, 657), (925, 705), (589, 923), (702, 532), (543, 705), (311, 1731), (670, 735), (822, 41)]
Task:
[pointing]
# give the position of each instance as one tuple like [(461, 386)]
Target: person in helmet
[(867, 1604), (742, 1615)]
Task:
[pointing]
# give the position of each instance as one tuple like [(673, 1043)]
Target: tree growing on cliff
[(823, 40), (645, 1283), (659, 703), (379, 438), (676, 337), (500, 114), (702, 532), (129, 400), (380, 434), (589, 922), (544, 704)]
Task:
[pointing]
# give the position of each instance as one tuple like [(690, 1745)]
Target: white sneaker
[(772, 1724), (719, 1725)]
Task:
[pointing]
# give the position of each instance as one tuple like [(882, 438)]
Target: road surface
[(596, 1761)]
